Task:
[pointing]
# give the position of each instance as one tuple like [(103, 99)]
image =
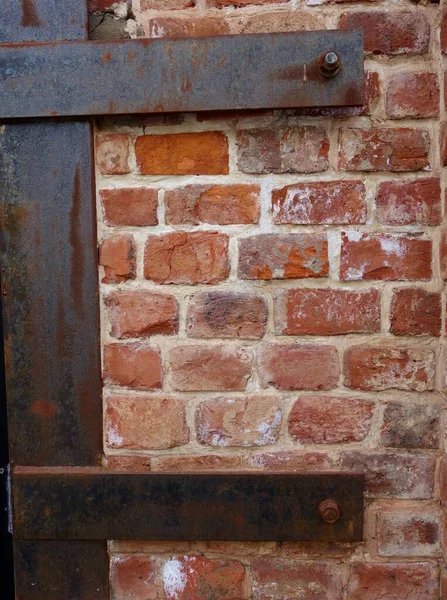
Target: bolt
[(329, 511), (330, 64)]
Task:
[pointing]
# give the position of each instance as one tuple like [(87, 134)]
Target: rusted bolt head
[(329, 511), (330, 64)]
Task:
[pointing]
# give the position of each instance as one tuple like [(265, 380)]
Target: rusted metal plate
[(42, 20), (48, 255), (60, 570), (150, 76), (89, 504)]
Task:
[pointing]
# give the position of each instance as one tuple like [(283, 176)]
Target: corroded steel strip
[(282, 70), (92, 505)]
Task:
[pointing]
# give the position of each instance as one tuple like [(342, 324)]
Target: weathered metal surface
[(149, 76), (43, 20), (60, 570), (89, 504), (50, 293)]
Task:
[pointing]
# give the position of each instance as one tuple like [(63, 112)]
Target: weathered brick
[(223, 314), (391, 32), (132, 365), (383, 368), (412, 95), (208, 368), (222, 3), (131, 462), (274, 21), (249, 421), (326, 311), (180, 27), (411, 425), (136, 207), (194, 463), (112, 153), (408, 530), (415, 311), (384, 256), (166, 4), (393, 581), (300, 149), (217, 205), (204, 153), (298, 367), (145, 423), (134, 577), (444, 31), (279, 579), (117, 256), (291, 461), (443, 254), (330, 419), (410, 202), (320, 203), (393, 475), (277, 256), (384, 149), (200, 578), (136, 314), (187, 258)]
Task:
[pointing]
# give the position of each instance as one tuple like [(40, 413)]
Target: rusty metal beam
[(87, 504), (282, 70)]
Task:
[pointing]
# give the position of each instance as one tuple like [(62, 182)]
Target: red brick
[(393, 475), (136, 314), (408, 530), (276, 256), (99, 5), (382, 368), (117, 256), (298, 367), (279, 579), (384, 149), (390, 32), (319, 203), (194, 463), (131, 462), (330, 419), (204, 153), (166, 4), (136, 207), (132, 365), (225, 314), (415, 312), (238, 3), (112, 153), (217, 205), (134, 577), (443, 143), (411, 425), (410, 202), (145, 423), (384, 256), (444, 31), (299, 149), (176, 27), (187, 258), (326, 311), (443, 254), (393, 581), (412, 95), (208, 368), (200, 578), (291, 461), (273, 21), (248, 421)]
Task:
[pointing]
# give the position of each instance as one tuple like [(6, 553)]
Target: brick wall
[(272, 298)]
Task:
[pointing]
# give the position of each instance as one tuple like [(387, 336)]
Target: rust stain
[(106, 57), (77, 257), (43, 408), (29, 14), (53, 113), (131, 56)]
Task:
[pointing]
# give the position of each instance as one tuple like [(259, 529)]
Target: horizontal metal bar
[(88, 504), (169, 75)]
